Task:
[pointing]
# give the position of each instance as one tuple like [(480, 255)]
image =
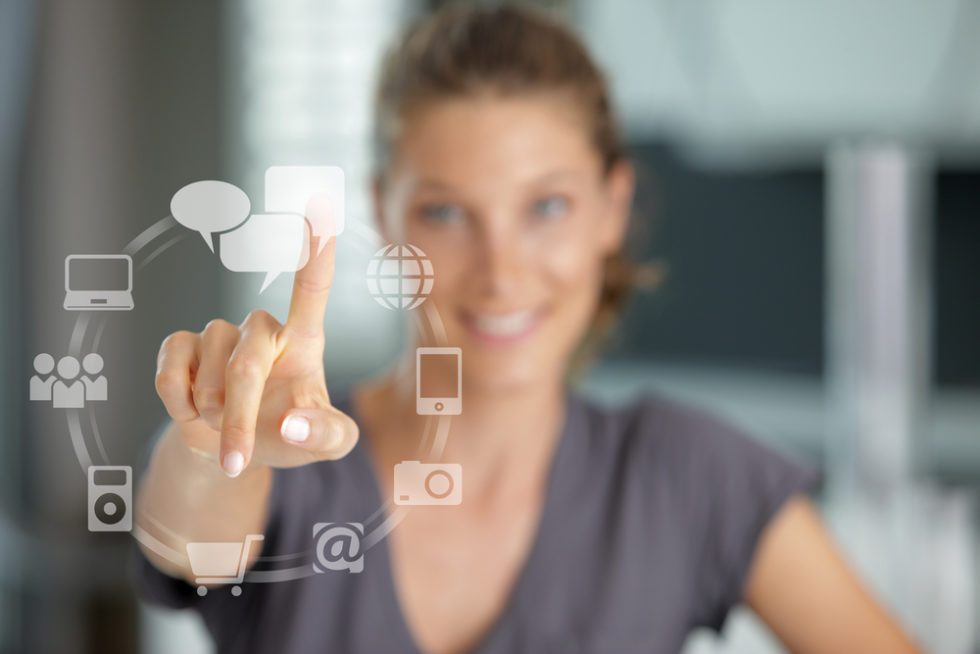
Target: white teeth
[(505, 324)]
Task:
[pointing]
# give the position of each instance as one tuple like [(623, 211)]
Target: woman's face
[(508, 199)]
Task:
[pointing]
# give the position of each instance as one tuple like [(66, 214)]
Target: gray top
[(651, 517)]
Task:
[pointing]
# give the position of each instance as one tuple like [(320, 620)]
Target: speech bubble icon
[(269, 243), (210, 206), (316, 192)]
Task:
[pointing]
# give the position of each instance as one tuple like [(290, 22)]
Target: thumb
[(326, 432)]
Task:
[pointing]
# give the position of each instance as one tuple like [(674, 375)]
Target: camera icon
[(420, 484)]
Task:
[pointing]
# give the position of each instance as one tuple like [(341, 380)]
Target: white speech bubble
[(269, 243), (210, 206), (316, 192)]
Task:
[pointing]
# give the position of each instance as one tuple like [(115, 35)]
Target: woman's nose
[(503, 261)]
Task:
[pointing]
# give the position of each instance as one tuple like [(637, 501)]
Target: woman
[(582, 529)]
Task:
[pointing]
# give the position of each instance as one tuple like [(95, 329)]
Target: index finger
[(311, 286)]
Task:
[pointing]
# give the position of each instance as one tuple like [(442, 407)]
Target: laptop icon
[(98, 282)]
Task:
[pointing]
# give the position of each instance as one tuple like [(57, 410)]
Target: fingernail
[(233, 463), (296, 429)]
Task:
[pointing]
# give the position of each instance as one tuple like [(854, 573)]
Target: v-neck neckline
[(554, 488)]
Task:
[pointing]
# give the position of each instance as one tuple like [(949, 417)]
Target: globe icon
[(399, 276)]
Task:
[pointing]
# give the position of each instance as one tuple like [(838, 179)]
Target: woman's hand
[(259, 386)]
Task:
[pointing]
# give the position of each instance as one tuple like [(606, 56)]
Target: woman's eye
[(442, 213), (553, 206)]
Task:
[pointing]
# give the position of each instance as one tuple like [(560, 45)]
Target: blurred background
[(809, 176)]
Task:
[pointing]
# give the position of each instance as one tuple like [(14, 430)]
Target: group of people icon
[(65, 390)]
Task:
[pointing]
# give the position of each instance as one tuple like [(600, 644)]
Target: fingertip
[(233, 463), (235, 449), (345, 434)]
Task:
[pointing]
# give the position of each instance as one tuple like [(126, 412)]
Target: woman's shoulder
[(698, 486)]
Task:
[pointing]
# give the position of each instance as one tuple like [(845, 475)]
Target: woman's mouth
[(502, 328)]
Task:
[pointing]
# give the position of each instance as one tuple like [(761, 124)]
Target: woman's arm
[(186, 497), (803, 590)]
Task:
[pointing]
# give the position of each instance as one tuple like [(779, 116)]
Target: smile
[(502, 328)]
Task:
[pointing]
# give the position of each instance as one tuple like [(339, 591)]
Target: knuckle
[(177, 339), (173, 387), (313, 285), (259, 318), (217, 327), (303, 396), (236, 432), (245, 366), (170, 382), (208, 398)]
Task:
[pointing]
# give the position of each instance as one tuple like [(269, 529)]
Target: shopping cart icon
[(220, 563)]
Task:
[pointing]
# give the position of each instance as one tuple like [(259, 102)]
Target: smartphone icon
[(438, 381)]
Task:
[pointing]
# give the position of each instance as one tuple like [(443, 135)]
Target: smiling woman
[(580, 528), (528, 60)]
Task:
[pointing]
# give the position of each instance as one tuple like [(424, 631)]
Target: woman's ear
[(620, 183)]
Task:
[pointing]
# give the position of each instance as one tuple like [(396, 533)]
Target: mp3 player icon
[(110, 498)]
